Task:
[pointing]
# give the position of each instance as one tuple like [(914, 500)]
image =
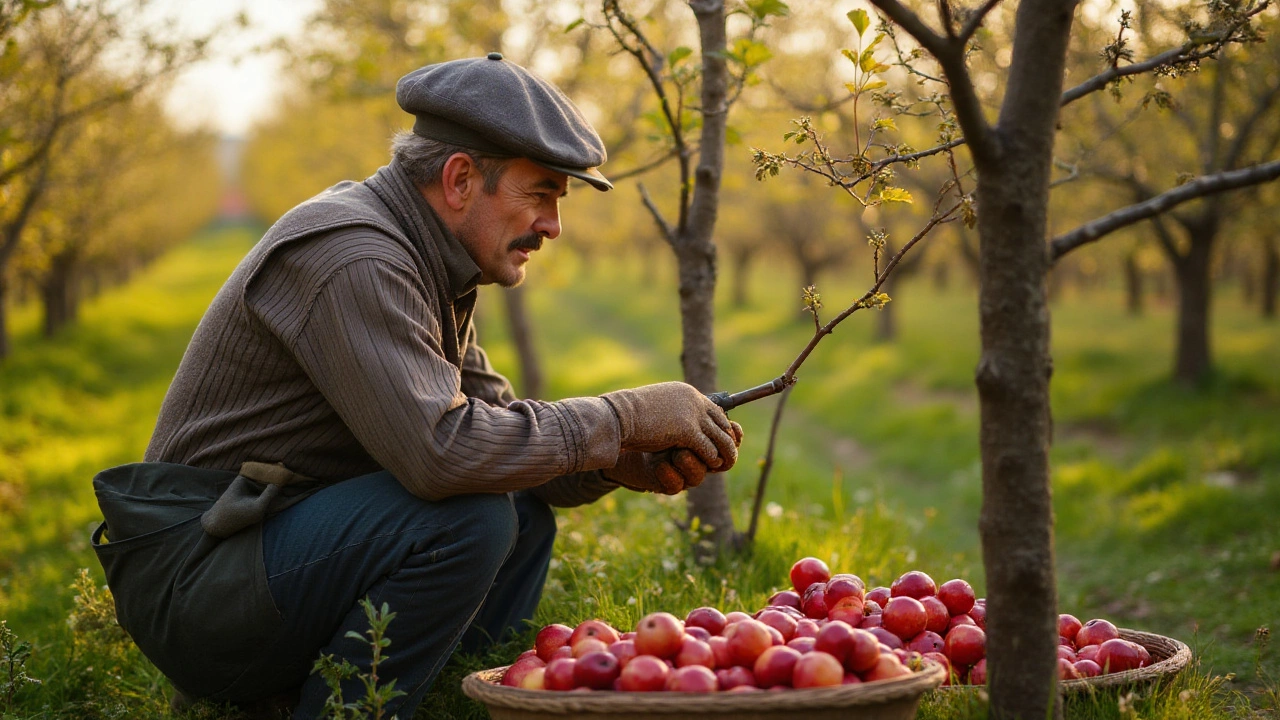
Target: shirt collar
[(462, 271)]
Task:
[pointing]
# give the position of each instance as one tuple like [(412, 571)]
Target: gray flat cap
[(497, 107)]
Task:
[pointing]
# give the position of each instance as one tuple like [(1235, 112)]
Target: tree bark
[(1016, 521), (1133, 284), (1193, 359), (1270, 277), (522, 338), (696, 253)]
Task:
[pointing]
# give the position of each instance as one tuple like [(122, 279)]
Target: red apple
[(645, 673), (806, 628), (871, 621), (1088, 652), (775, 666), (836, 639), (785, 598), (816, 669), (1087, 668), (559, 674), (966, 645), (692, 679), (747, 640), (779, 621), (628, 635), (564, 651), (1118, 655), (624, 650), (887, 667), (707, 618), (730, 678), (978, 673), (879, 595), (597, 629), (850, 679), (776, 636), (914, 584), (735, 616), (801, 644), (1068, 626), (720, 650), (850, 609), (957, 595), (1066, 653), (1067, 670), (843, 586), (926, 642), (588, 645), (978, 613), (808, 571), (596, 670), (528, 653), (533, 680), (551, 637), (517, 671), (942, 660), (863, 652), (695, 652), (886, 638), (694, 631), (936, 616), (904, 616), (959, 620), (1096, 632), (815, 601), (659, 634)]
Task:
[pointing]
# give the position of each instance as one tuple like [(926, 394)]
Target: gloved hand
[(667, 473), (675, 415)]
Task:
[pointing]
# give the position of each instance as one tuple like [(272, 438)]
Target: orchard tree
[(63, 63), (695, 90), (1012, 157)]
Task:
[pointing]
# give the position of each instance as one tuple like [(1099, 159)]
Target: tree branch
[(668, 233), (975, 20), (1200, 187)]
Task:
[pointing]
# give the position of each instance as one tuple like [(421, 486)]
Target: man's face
[(501, 229)]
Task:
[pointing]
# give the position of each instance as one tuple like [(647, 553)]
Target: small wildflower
[(773, 510)]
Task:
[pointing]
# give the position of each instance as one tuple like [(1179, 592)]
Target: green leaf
[(867, 63), (764, 8), (751, 53), (850, 55), (680, 53), (574, 24), (860, 20), (852, 87), (884, 123), (896, 194)]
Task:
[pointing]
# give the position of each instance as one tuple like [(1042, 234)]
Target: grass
[(1165, 496)]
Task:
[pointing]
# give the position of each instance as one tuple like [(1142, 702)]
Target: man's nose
[(548, 224)]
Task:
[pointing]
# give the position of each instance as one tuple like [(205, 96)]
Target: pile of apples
[(829, 630)]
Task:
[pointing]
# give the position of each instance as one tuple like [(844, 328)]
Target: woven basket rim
[(482, 686), (1171, 655)]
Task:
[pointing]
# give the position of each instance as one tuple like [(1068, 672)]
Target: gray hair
[(423, 160)]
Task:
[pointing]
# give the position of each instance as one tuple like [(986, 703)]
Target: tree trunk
[(522, 338), (1270, 277), (1193, 360), (1133, 284), (741, 276), (1016, 520)]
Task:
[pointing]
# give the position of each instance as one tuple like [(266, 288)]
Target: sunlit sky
[(235, 87)]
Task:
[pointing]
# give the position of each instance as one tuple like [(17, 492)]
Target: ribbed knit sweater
[(343, 344)]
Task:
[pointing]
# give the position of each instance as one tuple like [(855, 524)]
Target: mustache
[(531, 241)]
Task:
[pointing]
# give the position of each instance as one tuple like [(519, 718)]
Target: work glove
[(666, 473), (669, 415)]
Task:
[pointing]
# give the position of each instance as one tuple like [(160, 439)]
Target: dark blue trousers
[(458, 573)]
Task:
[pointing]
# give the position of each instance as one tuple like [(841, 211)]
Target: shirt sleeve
[(479, 378), (370, 344)]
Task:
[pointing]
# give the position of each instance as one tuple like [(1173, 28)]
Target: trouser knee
[(488, 527)]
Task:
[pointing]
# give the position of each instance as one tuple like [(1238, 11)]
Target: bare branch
[(975, 20), (909, 21), (668, 233), (1200, 187), (1192, 50), (653, 164), (767, 465)]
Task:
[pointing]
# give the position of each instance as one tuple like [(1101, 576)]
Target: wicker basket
[(883, 700), (1168, 658)]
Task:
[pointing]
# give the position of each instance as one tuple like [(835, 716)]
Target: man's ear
[(460, 179)]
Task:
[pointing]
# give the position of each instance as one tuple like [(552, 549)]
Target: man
[(335, 431)]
